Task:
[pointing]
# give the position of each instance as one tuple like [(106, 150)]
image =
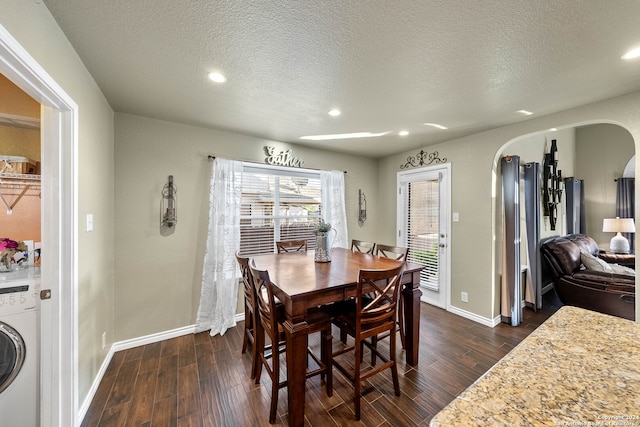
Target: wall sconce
[(168, 207), (619, 244), (362, 206)]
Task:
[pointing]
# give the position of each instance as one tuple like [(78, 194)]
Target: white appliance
[(20, 348)]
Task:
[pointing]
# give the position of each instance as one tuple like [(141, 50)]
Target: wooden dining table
[(301, 284)]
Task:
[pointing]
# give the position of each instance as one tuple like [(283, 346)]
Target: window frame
[(259, 246)]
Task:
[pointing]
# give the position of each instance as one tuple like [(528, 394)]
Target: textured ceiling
[(388, 65)]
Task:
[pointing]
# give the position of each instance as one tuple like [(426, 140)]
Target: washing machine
[(20, 348)]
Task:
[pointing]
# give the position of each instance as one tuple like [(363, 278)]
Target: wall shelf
[(18, 186)]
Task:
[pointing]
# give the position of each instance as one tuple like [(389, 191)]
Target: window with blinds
[(423, 209), (277, 204)]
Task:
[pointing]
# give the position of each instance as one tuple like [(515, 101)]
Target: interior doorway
[(59, 400)]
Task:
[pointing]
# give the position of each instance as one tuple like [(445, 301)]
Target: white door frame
[(445, 211), (59, 342)]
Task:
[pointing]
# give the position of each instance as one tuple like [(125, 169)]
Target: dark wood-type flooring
[(199, 380)]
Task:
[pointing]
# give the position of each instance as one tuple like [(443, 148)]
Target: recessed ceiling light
[(435, 125), (525, 112), (335, 112), (634, 53), (553, 129), (343, 136), (403, 133), (217, 77)]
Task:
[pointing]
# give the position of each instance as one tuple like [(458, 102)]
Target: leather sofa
[(607, 292)]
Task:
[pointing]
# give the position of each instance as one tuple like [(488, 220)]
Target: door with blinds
[(423, 226)]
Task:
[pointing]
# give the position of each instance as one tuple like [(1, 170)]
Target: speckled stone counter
[(579, 368)]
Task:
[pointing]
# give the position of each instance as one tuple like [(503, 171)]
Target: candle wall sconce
[(168, 216), (362, 206), (551, 182)]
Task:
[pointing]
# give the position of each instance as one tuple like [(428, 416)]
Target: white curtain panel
[(333, 206), (220, 273)]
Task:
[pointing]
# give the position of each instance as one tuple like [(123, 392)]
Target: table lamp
[(619, 244)]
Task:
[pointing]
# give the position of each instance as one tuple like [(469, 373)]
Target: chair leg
[(258, 343), (327, 349), (356, 379), (394, 365), (255, 363), (401, 318), (275, 381), (247, 326)]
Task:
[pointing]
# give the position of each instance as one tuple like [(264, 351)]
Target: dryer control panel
[(18, 296)]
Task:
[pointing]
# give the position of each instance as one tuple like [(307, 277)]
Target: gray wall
[(158, 276), (474, 159), (602, 152), (31, 24)]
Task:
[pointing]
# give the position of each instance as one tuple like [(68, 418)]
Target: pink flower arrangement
[(8, 249)]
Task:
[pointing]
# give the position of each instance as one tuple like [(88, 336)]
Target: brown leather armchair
[(601, 291)]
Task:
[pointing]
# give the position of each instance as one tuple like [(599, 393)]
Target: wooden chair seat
[(250, 320), (270, 316), (399, 253), (371, 317)]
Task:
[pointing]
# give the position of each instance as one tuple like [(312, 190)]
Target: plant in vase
[(8, 250), (323, 249)]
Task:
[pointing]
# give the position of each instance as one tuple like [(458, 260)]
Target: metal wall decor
[(551, 185), (423, 158), (283, 158), (168, 216), (362, 206)]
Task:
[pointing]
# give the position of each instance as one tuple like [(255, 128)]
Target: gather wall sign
[(282, 158)]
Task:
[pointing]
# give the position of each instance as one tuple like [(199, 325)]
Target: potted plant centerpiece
[(323, 247)]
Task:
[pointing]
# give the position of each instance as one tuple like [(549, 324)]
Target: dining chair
[(250, 321), (270, 318), (398, 253), (368, 319), (291, 246), (363, 246)]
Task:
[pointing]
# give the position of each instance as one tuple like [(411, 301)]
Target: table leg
[(296, 336), (411, 292)]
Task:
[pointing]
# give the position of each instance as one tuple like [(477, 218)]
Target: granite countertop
[(578, 368)]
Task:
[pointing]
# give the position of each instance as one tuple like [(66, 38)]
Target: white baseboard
[(131, 343), (492, 323), (149, 339), (82, 410)]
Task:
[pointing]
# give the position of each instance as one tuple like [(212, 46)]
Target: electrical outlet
[(464, 297), (104, 340)]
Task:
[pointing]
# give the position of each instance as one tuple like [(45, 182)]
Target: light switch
[(456, 217), (89, 222)]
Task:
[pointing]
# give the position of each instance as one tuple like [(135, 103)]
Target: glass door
[(423, 227)]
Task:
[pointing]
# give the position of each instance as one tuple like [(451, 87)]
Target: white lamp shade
[(618, 225), (618, 244)]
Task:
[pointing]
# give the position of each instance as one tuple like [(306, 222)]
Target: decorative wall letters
[(283, 158)]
